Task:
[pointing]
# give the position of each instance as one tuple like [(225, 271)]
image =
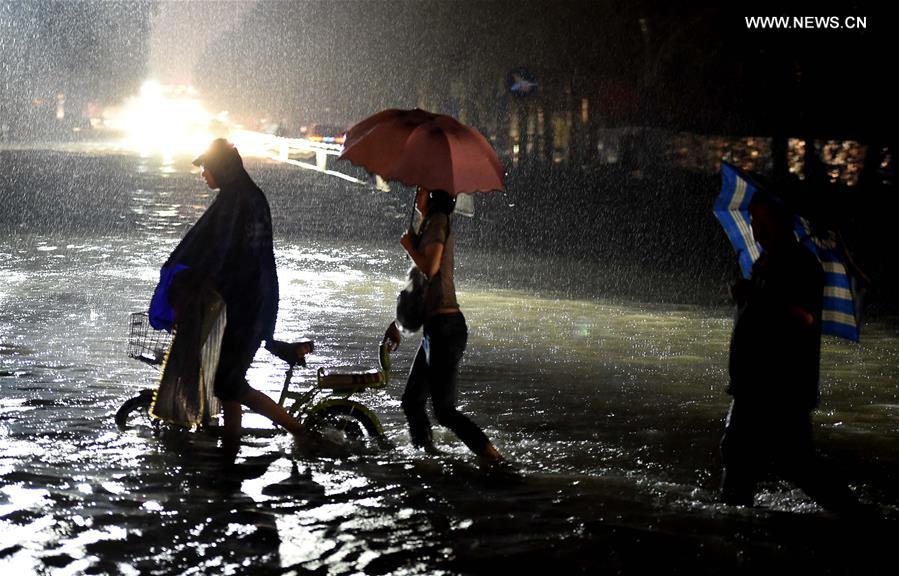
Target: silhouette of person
[(774, 369), (230, 250)]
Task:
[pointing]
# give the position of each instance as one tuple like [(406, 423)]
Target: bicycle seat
[(350, 381), (292, 352)]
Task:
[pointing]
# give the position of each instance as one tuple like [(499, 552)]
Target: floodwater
[(610, 410)]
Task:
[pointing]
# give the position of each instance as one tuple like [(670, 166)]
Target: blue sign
[(521, 82)]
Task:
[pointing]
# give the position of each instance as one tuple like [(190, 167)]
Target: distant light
[(163, 120), (327, 139), (60, 106)]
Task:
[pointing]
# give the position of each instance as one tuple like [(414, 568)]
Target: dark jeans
[(434, 373), (762, 436)]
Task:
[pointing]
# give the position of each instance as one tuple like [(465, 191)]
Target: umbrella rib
[(742, 225)]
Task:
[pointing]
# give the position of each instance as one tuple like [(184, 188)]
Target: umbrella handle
[(412, 215)]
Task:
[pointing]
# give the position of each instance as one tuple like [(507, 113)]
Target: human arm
[(427, 253), (428, 259), (804, 288)]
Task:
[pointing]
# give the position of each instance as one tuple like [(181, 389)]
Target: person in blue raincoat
[(230, 250)]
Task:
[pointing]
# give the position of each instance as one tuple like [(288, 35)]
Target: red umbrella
[(420, 148)]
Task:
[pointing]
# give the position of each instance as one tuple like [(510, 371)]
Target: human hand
[(186, 293), (804, 316), (407, 242), (182, 295), (392, 337)]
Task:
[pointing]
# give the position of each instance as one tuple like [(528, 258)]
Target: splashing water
[(611, 410)]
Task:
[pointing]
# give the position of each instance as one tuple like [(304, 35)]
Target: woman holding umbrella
[(443, 158), (436, 365)]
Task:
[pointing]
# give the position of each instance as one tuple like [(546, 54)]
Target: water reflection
[(610, 410)]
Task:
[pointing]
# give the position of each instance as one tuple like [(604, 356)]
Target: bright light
[(163, 120)]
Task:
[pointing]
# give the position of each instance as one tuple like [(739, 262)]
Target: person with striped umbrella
[(774, 355)]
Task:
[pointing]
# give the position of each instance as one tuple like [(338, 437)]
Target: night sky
[(680, 65)]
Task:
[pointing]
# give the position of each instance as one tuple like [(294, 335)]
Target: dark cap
[(222, 159)]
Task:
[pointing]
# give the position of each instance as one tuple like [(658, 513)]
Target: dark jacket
[(774, 354), (231, 245)]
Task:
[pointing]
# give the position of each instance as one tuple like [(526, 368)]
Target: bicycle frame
[(328, 398), (337, 387)]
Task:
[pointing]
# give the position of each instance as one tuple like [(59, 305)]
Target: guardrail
[(298, 152)]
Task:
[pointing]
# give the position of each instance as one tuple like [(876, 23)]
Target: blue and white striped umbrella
[(840, 315), (732, 210)]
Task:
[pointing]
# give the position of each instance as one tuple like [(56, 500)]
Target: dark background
[(651, 72)]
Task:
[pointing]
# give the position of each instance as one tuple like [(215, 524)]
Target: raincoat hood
[(222, 160)]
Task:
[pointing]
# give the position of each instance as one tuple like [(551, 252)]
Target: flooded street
[(608, 408)]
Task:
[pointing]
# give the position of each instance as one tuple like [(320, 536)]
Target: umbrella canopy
[(732, 210), (841, 304), (420, 148)]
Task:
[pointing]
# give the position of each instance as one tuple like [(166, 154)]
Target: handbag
[(410, 302)]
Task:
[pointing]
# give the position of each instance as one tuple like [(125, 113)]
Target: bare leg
[(491, 453), (262, 404), (232, 413)]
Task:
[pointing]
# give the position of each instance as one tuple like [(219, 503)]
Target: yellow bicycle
[(326, 405)]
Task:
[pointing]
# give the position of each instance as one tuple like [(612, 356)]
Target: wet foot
[(490, 453), (304, 437)]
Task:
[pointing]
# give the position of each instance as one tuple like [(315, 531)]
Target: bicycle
[(325, 406)]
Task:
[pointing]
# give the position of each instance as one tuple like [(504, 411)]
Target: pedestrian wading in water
[(774, 363), (435, 370), (229, 252)]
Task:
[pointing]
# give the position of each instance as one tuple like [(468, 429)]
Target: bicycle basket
[(145, 343)]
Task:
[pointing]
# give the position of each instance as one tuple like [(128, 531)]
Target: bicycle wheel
[(140, 404), (347, 421)]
